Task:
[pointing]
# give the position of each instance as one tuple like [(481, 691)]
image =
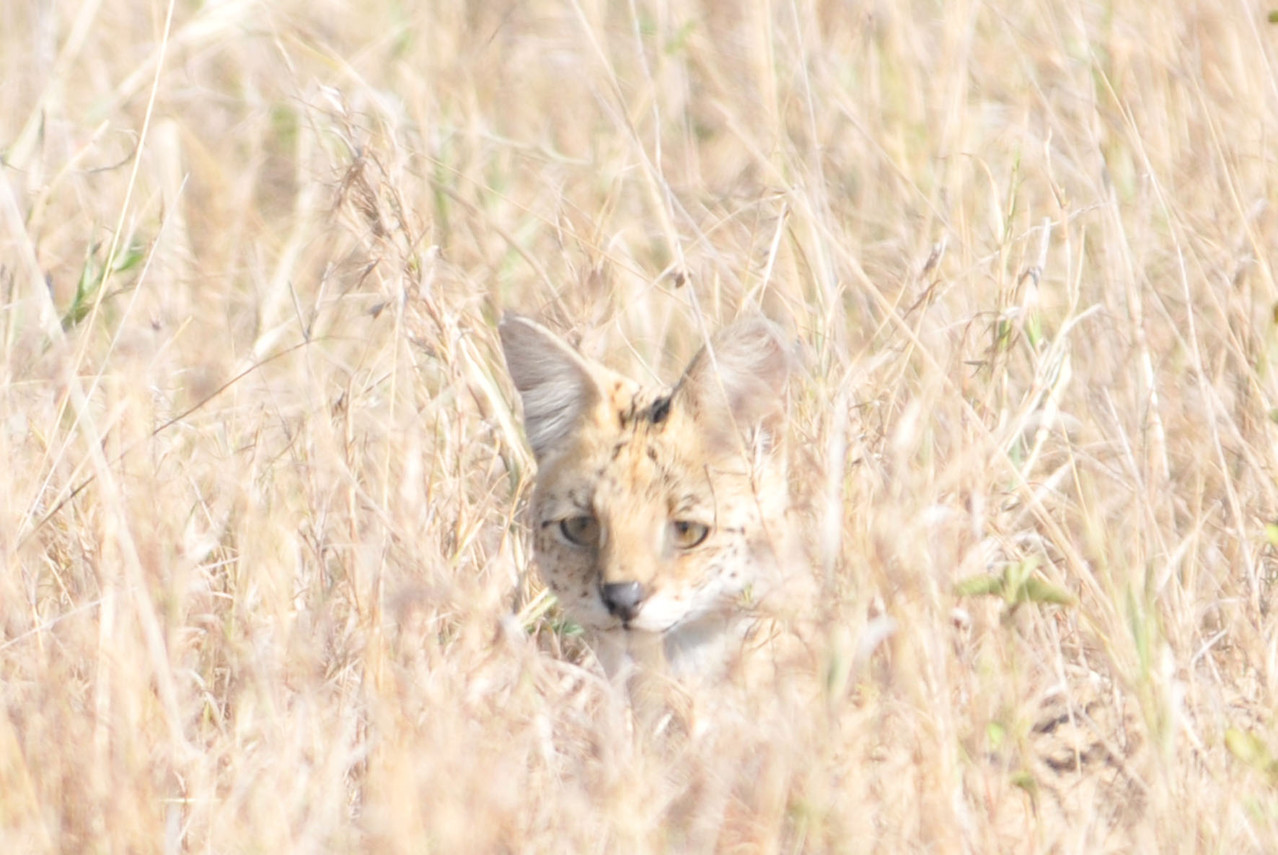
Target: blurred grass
[(263, 580)]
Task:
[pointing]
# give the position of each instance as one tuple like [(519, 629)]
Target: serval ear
[(735, 386), (557, 385)]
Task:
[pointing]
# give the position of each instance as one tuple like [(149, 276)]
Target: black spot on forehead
[(639, 412), (660, 409)]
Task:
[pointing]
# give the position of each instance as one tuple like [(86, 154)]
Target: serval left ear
[(558, 387)]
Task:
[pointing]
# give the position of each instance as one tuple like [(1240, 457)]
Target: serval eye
[(582, 531), (688, 534)]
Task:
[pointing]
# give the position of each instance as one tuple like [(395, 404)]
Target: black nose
[(623, 599)]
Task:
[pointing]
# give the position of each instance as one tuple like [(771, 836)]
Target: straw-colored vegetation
[(264, 580)]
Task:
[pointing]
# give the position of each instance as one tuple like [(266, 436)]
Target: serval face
[(659, 515)]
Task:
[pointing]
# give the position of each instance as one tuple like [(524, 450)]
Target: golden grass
[(263, 581)]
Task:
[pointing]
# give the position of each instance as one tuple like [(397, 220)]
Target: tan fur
[(636, 475)]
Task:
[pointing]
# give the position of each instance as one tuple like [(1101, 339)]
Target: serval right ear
[(736, 384), (557, 385)]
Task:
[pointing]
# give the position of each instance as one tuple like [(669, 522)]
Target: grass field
[(264, 577)]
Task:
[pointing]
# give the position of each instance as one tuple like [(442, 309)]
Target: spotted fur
[(659, 515)]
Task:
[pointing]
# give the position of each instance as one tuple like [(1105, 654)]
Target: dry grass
[(263, 581)]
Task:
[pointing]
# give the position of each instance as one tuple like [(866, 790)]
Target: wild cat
[(660, 515)]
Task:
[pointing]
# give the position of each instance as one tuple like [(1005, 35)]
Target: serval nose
[(623, 599)]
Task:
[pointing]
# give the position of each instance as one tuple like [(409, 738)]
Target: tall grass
[(264, 581)]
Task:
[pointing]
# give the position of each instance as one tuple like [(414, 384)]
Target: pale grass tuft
[(264, 581)]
